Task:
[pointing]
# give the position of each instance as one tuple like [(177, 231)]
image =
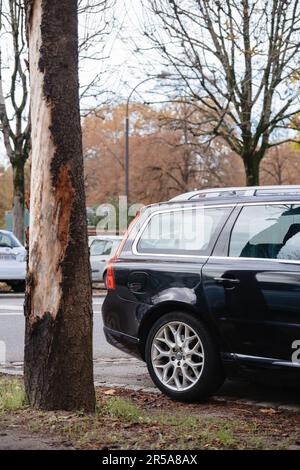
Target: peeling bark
[(58, 304)]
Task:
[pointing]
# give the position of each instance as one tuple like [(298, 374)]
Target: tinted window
[(183, 232), (270, 231), (101, 247)]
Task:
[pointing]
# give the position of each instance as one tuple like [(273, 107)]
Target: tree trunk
[(252, 163), (58, 306), (18, 198)]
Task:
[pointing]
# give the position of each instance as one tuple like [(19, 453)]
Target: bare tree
[(96, 23), (15, 129), (58, 365), (14, 74), (199, 165), (239, 61)]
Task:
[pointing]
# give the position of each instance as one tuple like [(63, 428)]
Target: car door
[(100, 251), (252, 282), (9, 268)]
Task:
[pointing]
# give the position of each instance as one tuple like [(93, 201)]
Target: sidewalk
[(21, 439)]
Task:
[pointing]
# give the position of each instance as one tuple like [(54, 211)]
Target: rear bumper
[(15, 273), (125, 343), (121, 320)]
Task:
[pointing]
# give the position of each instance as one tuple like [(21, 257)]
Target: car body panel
[(99, 257), (12, 258)]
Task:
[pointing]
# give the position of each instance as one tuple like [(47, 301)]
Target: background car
[(102, 248), (12, 261)]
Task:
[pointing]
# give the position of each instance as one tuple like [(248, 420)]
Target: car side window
[(191, 231), (267, 231), (101, 248)]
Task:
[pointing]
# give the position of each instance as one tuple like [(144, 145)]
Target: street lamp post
[(162, 76)]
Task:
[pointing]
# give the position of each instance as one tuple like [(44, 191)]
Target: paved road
[(110, 365), (113, 368), (12, 329)]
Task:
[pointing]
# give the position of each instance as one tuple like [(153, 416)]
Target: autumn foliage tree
[(281, 165), (5, 193), (165, 158)]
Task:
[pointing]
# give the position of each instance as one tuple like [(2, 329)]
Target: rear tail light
[(110, 275)]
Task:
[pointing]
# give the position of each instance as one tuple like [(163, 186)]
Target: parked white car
[(102, 248), (12, 261)]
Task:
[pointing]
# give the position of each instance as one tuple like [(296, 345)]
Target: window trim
[(176, 255), (237, 258), (242, 205)]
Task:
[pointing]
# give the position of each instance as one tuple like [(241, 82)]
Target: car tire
[(175, 370)]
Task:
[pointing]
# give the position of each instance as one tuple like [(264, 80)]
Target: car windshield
[(8, 241), (101, 247)]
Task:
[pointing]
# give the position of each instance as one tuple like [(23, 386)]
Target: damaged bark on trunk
[(58, 306)]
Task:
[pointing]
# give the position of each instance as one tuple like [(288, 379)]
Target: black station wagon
[(207, 286)]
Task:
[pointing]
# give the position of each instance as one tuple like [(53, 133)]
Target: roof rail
[(241, 191)]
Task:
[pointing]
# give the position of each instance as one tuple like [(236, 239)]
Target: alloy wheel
[(177, 356)]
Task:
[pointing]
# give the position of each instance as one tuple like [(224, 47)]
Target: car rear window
[(267, 231), (185, 231)]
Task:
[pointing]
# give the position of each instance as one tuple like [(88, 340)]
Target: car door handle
[(226, 280)]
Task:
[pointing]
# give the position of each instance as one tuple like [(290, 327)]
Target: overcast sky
[(121, 69)]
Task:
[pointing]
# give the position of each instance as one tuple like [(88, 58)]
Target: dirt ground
[(127, 419)]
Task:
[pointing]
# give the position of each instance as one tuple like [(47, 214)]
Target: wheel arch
[(162, 309)]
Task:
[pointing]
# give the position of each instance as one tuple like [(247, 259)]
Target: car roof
[(242, 191), (232, 196)]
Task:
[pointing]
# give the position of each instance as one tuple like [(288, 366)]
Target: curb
[(277, 407), (219, 399)]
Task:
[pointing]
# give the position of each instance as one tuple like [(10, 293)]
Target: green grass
[(132, 422), (35, 427), (12, 395), (124, 409), (178, 419), (225, 436)]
